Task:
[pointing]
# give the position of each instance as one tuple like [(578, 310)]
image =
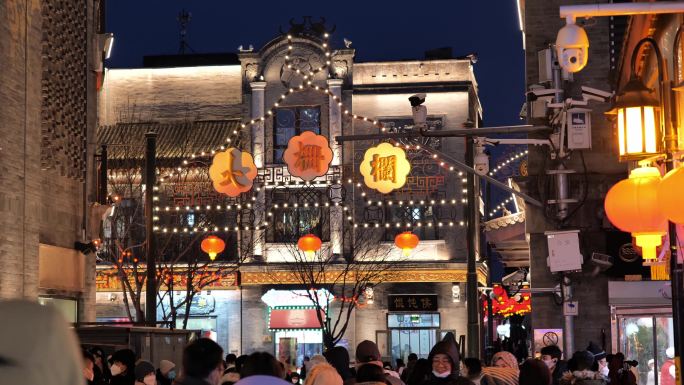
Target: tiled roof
[(174, 140), (505, 221)]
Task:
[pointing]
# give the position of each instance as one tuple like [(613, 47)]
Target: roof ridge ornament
[(308, 27)]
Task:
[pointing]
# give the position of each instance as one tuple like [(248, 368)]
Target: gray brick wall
[(542, 23)]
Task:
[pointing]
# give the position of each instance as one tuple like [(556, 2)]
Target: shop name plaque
[(412, 302)]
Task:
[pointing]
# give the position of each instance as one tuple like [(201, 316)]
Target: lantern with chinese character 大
[(213, 245), (632, 206), (232, 172), (670, 195), (309, 244), (406, 241)]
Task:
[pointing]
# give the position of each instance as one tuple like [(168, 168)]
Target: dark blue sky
[(379, 30)]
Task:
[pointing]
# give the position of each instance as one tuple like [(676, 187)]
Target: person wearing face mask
[(600, 362), (166, 372), (123, 367), (202, 363), (445, 361), (89, 368), (551, 355), (145, 374)]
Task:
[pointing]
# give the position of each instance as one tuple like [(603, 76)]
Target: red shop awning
[(294, 319)]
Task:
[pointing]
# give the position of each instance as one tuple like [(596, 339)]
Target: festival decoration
[(233, 172), (506, 306), (308, 155), (213, 245), (406, 241), (632, 206), (385, 168), (309, 244), (670, 195)]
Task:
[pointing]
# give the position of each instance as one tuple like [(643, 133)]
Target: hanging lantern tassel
[(632, 206), (213, 245), (309, 244), (406, 241)]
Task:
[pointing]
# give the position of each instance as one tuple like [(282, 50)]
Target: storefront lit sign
[(107, 282), (385, 168), (294, 318), (412, 302), (275, 298), (233, 172), (308, 155)]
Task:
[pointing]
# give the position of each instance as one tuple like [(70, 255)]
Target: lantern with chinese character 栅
[(213, 245), (309, 244), (406, 241), (632, 206)]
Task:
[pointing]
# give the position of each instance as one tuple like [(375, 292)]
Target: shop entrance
[(412, 333), (647, 336), (292, 346)]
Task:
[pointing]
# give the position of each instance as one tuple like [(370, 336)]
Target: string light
[(501, 206), (508, 161)]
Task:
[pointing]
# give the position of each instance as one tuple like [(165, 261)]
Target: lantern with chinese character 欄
[(406, 241), (213, 245), (309, 244), (385, 168), (632, 206)]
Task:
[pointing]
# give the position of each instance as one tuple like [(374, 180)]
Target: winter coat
[(560, 368), (584, 377), (453, 379), (189, 381), (261, 380)]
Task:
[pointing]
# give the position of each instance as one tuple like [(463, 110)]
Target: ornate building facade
[(257, 102)]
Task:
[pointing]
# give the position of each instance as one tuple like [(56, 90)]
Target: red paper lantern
[(632, 206), (406, 241), (213, 245), (309, 244), (670, 195)]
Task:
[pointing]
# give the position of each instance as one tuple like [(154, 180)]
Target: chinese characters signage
[(385, 168), (308, 155), (412, 302), (232, 172)]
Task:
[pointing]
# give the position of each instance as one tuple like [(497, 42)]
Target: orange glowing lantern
[(309, 244), (632, 206), (213, 245), (670, 195), (406, 241)]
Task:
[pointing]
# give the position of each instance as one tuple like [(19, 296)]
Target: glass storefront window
[(407, 341), (649, 340), (307, 344), (67, 307), (408, 320)]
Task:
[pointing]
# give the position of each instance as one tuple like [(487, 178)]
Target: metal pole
[(473, 235), (484, 131), (490, 317), (151, 250), (102, 186)]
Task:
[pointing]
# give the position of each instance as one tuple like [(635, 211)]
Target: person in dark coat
[(338, 357), (166, 372), (445, 361), (534, 372), (123, 367), (412, 359), (419, 372), (202, 363), (102, 373), (551, 355)]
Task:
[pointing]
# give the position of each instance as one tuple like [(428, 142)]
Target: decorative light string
[(508, 161), (501, 206)]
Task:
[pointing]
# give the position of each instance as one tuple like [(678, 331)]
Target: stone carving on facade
[(251, 72), (340, 69)]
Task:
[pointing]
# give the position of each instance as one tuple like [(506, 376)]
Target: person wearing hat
[(600, 361), (166, 372), (445, 362), (144, 374), (367, 353), (581, 374), (123, 366)]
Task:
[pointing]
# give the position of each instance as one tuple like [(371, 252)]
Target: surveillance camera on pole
[(481, 161), (419, 110), (572, 46)]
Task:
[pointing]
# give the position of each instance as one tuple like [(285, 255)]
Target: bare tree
[(368, 263)]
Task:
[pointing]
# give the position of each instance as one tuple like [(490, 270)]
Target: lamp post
[(644, 123)]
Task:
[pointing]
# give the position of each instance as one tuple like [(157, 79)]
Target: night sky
[(379, 30)]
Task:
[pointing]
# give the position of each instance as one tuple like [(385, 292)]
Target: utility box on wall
[(579, 128), (564, 252)]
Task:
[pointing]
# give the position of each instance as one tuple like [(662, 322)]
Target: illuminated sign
[(233, 172), (385, 168), (308, 155)]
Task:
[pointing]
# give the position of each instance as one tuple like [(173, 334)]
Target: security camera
[(601, 262), (536, 93), (481, 162), (572, 47), (419, 111), (589, 93)]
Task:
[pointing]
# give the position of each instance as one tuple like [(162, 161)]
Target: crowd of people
[(204, 363)]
